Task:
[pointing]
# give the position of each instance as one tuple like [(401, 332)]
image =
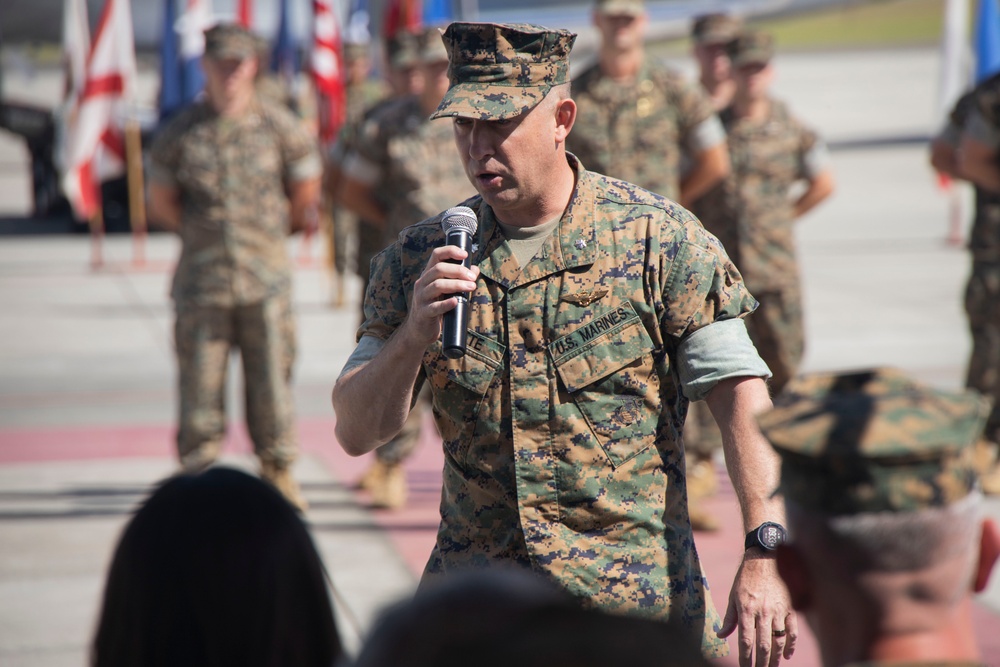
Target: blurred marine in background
[(234, 174), (968, 148)]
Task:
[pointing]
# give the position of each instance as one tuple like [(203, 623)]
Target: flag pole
[(96, 223), (136, 191)]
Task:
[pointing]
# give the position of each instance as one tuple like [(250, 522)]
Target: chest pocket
[(460, 390), (606, 366)]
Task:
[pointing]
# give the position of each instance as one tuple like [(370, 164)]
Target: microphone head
[(460, 218)]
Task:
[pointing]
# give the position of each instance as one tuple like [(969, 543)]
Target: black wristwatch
[(767, 536)]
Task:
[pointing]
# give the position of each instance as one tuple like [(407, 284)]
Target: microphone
[(459, 224)]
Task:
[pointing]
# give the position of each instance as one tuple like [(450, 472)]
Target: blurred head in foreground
[(214, 569), (498, 618), (885, 516)]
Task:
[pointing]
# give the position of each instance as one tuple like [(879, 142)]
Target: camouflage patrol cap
[(501, 71), (230, 40), (355, 50), (751, 48), (716, 28), (620, 7), (873, 441), (403, 49), (432, 46)]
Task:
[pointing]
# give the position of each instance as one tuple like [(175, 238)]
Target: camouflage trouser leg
[(265, 333), (345, 229), (203, 338), (982, 305), (776, 330), (399, 448)]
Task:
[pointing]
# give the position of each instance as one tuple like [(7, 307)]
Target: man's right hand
[(443, 277)]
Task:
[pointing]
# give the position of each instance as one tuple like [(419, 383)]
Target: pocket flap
[(607, 343)]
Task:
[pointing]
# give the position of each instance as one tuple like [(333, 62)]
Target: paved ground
[(86, 373)]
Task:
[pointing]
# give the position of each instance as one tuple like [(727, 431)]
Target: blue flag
[(987, 39), (283, 53), (192, 33), (437, 12), (171, 97)]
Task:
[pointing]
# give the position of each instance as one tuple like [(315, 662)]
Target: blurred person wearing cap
[(639, 120), (234, 175), (971, 151), (403, 169), (598, 311), (886, 536), (754, 211), (711, 35), (361, 92), (403, 78)]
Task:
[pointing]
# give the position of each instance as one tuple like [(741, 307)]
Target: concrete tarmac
[(87, 376)]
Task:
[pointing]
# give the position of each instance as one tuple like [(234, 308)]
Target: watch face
[(771, 535)]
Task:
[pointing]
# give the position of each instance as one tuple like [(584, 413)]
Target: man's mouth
[(488, 178)]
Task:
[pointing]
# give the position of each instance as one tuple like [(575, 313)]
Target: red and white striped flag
[(327, 65), (95, 138)]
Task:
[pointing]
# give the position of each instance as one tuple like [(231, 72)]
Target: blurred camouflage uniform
[(642, 130), (752, 214), (561, 424), (412, 168), (362, 98), (232, 285), (979, 115)]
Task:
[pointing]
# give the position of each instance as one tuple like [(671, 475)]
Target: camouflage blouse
[(561, 424), (232, 175), (751, 211), (641, 131)]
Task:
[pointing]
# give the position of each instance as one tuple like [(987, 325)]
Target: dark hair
[(498, 618), (216, 569)]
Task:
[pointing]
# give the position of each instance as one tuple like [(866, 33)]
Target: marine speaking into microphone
[(459, 225)]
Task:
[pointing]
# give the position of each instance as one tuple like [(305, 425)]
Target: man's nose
[(480, 143)]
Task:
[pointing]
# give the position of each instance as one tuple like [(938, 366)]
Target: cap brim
[(488, 101), (715, 38)]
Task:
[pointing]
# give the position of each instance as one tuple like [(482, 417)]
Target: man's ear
[(794, 572), (989, 550), (565, 117)]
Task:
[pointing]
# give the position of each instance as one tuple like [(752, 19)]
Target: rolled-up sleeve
[(717, 352)]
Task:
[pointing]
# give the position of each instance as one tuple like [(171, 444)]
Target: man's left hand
[(760, 607)]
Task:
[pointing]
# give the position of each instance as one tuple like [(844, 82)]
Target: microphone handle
[(455, 326)]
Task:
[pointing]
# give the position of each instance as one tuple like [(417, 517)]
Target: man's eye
[(462, 122)]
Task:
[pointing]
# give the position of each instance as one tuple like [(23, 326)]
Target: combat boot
[(389, 491), (281, 477), (702, 483), (373, 476)]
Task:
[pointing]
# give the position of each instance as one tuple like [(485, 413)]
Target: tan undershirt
[(525, 241)]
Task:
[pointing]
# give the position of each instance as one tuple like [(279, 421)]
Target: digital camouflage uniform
[(419, 175), (982, 294), (638, 132), (232, 284), (751, 212), (561, 424)]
